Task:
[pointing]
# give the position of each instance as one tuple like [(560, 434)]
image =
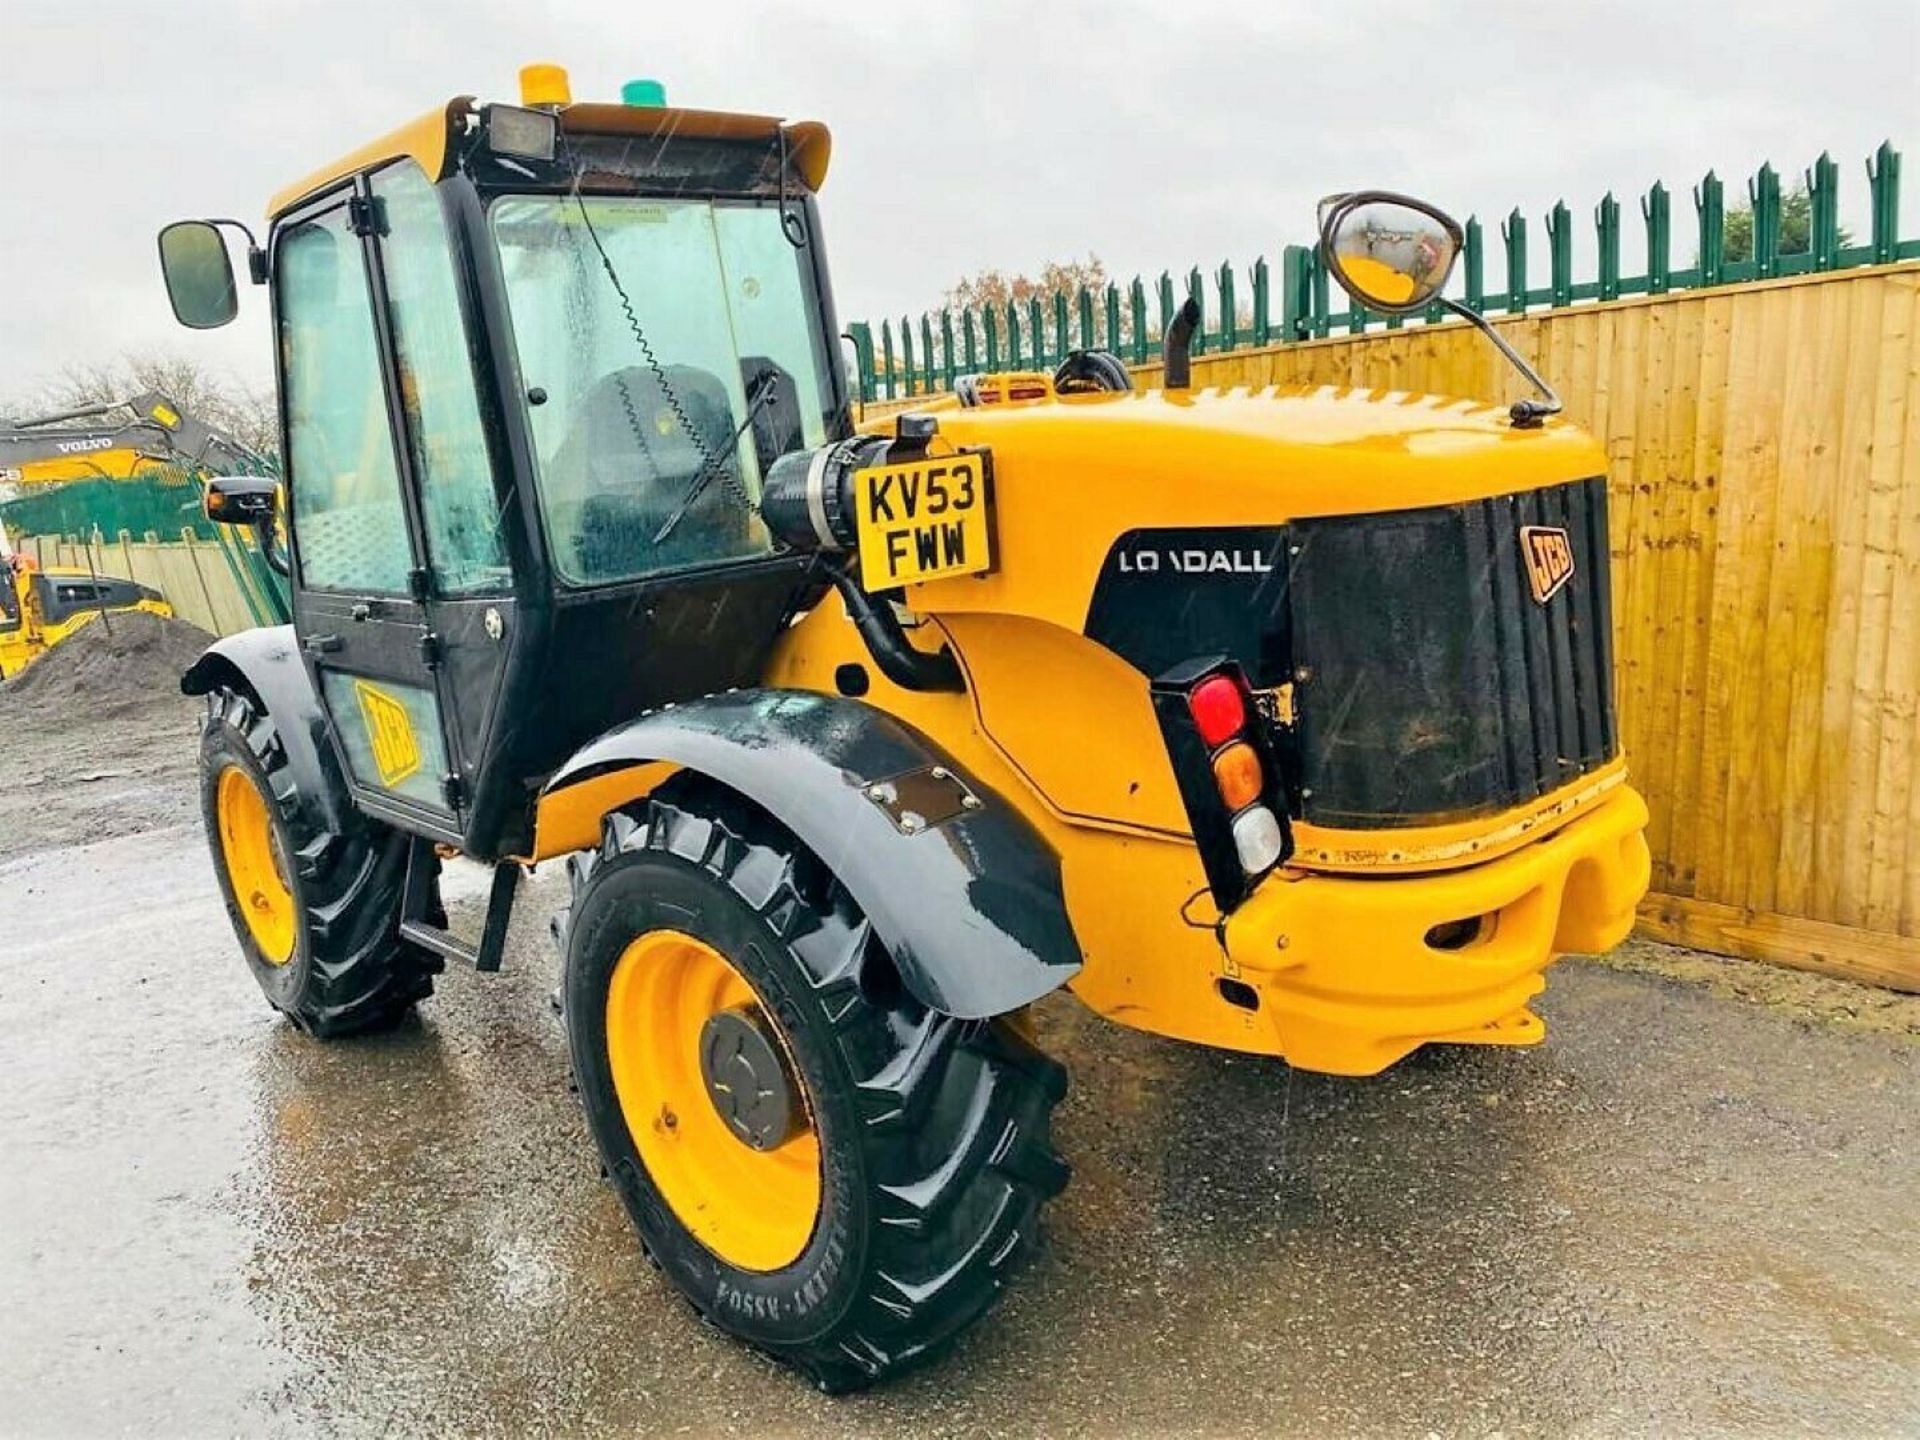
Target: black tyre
[(317, 913), (928, 1137)]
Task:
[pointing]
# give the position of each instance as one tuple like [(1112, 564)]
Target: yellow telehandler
[(1278, 721)]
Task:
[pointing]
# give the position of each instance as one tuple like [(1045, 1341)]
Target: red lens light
[(1219, 712)]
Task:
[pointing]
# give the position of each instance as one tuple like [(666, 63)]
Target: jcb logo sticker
[(396, 754), (1549, 557)]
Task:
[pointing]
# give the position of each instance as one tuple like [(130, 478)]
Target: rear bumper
[(1346, 977)]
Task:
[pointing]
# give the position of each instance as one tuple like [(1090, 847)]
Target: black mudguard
[(267, 662), (971, 909)]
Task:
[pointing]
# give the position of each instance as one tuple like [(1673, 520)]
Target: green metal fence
[(925, 358)]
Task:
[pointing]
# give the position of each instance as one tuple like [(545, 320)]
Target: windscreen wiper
[(759, 394)]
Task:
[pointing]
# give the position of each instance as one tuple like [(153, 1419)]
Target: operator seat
[(628, 461)]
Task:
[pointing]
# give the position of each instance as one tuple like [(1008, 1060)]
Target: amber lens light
[(1218, 711), (1236, 770)]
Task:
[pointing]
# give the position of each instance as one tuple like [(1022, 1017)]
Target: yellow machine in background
[(41, 607), (144, 434)]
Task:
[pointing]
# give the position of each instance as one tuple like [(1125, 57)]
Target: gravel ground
[(96, 739), (1691, 1211)]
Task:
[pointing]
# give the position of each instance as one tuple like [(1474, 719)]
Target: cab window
[(350, 529), (642, 328), (445, 434)]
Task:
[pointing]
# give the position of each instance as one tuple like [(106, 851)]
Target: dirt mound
[(114, 661)]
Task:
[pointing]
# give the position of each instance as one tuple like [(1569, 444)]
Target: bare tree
[(996, 287)]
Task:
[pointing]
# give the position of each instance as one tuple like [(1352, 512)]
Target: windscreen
[(667, 352)]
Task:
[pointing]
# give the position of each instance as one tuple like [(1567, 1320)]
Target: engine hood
[(1074, 475)]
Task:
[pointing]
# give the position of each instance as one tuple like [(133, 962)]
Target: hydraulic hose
[(899, 660)]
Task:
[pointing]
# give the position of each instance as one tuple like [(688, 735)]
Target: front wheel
[(823, 1166), (317, 913)]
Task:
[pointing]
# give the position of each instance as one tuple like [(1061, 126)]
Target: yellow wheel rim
[(755, 1209), (254, 865)]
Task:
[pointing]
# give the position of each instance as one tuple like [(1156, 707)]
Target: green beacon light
[(649, 93)]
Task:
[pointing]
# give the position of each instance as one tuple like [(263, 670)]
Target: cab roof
[(429, 139)]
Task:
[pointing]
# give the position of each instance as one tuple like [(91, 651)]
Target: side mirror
[(199, 275), (241, 499), (1392, 254), (255, 501)]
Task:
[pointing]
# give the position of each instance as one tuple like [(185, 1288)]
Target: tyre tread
[(959, 1154), (361, 975)]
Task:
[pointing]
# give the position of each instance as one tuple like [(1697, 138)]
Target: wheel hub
[(747, 1078), (256, 865)]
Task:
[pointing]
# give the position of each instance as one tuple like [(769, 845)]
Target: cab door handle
[(320, 644)]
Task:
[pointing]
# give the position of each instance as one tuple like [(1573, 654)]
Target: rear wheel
[(824, 1167), (317, 912)]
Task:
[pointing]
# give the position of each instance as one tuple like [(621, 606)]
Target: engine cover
[(1444, 662)]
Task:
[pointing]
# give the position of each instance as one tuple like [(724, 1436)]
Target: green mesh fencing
[(164, 504)]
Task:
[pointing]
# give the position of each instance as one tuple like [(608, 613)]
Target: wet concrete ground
[(1684, 1213)]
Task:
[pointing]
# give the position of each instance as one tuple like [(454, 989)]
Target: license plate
[(923, 519)]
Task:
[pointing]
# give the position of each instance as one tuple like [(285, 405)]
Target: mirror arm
[(264, 532), (256, 257), (1526, 414)]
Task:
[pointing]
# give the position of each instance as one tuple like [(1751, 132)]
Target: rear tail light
[(1219, 710), (1226, 776)]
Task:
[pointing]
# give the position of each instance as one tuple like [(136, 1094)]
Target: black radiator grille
[(1431, 684)]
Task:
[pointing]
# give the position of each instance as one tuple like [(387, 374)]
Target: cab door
[(360, 583)]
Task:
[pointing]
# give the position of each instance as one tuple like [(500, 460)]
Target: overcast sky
[(980, 133)]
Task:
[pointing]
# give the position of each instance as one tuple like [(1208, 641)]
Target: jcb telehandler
[(1277, 721)]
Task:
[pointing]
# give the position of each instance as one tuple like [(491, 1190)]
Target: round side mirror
[(199, 275), (1390, 253)]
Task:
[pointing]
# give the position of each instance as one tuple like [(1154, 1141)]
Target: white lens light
[(1256, 836), (526, 133)]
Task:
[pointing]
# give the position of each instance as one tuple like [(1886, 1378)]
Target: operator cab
[(534, 363)]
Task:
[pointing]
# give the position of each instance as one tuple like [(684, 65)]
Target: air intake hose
[(807, 500), (1091, 370), (1176, 353)]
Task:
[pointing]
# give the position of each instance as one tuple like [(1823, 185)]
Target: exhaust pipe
[(1175, 361)]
